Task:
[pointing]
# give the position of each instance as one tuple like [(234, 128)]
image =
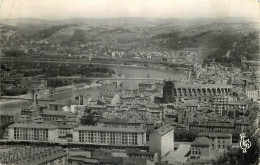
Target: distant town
[(129, 91)]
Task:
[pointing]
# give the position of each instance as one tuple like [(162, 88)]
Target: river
[(130, 72)]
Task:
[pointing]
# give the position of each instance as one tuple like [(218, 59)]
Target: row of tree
[(13, 52), (69, 71), (14, 91)]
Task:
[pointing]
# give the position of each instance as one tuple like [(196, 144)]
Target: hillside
[(214, 37), (234, 47)]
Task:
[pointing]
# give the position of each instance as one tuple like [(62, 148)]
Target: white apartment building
[(200, 148), (122, 123), (161, 141), (109, 136), (223, 105), (252, 93), (218, 140), (63, 130), (32, 132)]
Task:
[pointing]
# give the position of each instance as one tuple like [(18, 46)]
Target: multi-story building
[(168, 96), (155, 107), (135, 153), (211, 126), (51, 116), (155, 112), (57, 105), (239, 107), (53, 156), (63, 130), (218, 140), (127, 98), (161, 141), (200, 148), (148, 86), (192, 107), (31, 110), (109, 136), (142, 112), (190, 100), (252, 64), (240, 84), (37, 156), (145, 85), (5, 120), (97, 108), (224, 106), (221, 99), (122, 123), (242, 125), (117, 54), (173, 91), (32, 132), (252, 92)]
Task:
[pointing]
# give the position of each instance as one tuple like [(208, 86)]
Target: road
[(71, 62), (41, 97), (107, 62), (178, 156)]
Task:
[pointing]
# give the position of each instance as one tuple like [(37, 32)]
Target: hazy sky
[(61, 9)]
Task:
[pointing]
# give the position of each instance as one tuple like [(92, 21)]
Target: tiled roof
[(214, 134), (43, 157), (250, 88), (201, 141), (238, 82)]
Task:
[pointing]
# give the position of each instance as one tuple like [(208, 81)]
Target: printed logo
[(244, 144)]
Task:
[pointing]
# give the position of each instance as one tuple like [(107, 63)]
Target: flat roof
[(109, 129), (85, 160), (122, 121), (33, 125), (164, 129)]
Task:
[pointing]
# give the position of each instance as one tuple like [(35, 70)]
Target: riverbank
[(93, 90)]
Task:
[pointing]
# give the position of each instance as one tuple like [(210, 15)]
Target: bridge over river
[(45, 95)]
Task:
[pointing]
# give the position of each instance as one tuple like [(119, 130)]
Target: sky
[(62, 9)]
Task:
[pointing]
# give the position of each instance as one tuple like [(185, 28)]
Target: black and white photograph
[(129, 82)]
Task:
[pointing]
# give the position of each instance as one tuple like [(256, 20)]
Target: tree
[(236, 156), (3, 67), (88, 120), (13, 53), (26, 74), (185, 135), (15, 91)]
